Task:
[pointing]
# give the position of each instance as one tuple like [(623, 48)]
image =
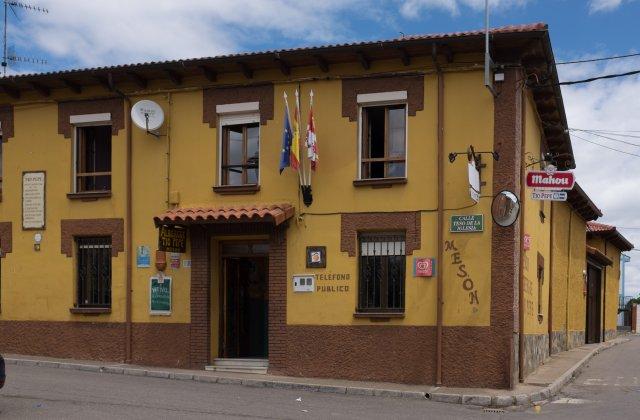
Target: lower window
[(94, 272), (382, 272)]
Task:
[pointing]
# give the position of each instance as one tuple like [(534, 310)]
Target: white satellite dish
[(147, 115)]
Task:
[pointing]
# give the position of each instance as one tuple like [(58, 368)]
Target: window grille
[(94, 272)]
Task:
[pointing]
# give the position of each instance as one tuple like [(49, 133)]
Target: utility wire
[(606, 147), (593, 79), (609, 133), (605, 137), (591, 60)]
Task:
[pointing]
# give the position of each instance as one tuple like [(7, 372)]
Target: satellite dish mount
[(147, 115)]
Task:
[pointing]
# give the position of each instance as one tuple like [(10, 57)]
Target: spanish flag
[(295, 143)]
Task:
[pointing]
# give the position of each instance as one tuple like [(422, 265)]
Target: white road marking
[(570, 401)]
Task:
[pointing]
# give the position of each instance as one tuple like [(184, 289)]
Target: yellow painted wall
[(569, 263), (540, 234), (611, 289), (40, 285)]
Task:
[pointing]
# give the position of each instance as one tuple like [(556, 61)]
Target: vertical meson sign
[(33, 196)]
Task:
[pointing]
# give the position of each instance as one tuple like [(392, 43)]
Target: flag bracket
[(307, 196)]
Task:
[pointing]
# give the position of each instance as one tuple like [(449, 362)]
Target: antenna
[(488, 62), (12, 57)]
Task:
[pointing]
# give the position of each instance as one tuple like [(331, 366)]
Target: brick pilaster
[(200, 330), (278, 300)]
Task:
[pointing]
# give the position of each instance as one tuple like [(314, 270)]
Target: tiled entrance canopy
[(274, 213)]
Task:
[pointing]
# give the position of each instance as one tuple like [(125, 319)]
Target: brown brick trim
[(200, 298), (6, 239), (71, 228), (114, 106), (233, 95), (413, 84), (6, 118), (278, 337), (154, 344), (505, 241), (352, 223)]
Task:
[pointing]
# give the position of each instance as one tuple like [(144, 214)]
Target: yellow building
[(387, 271)]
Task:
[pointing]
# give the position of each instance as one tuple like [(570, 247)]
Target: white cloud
[(596, 6), (610, 178), (412, 9), (101, 32)]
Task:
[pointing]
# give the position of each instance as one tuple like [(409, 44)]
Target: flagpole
[(310, 111), (289, 118)]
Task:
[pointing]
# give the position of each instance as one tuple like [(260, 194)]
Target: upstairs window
[(94, 272), (240, 154), (383, 128), (92, 158), (382, 272)]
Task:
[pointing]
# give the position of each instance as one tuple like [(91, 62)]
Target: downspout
[(440, 136), (568, 275), (550, 311), (128, 223), (604, 299), (521, 268)]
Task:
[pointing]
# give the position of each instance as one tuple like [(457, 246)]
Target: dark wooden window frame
[(383, 310), (223, 165), (97, 248), (79, 192), (365, 160)]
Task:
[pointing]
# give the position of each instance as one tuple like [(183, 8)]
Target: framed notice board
[(160, 295)]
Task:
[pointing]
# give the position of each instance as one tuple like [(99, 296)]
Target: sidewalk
[(539, 386)]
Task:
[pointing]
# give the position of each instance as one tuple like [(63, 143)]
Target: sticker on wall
[(143, 256), (527, 242), (174, 260), (186, 263), (160, 295), (424, 267), (467, 223), (316, 256)]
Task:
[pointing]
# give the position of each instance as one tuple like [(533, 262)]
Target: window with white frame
[(92, 153), (383, 135), (239, 145)]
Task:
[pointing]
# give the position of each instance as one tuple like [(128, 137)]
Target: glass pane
[(234, 176), (253, 143), (235, 152), (375, 130), (252, 176), (396, 132), (395, 169)]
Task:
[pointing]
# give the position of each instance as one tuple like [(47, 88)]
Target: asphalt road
[(607, 388)]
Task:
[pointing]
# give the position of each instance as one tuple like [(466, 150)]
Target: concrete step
[(238, 369), (241, 362)]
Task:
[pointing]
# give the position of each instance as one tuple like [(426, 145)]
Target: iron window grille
[(381, 283), (94, 272)]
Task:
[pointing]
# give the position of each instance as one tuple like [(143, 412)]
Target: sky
[(106, 32)]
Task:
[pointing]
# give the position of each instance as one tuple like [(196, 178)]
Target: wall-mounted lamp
[(37, 238)]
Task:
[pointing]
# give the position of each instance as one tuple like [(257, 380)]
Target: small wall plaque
[(316, 257)]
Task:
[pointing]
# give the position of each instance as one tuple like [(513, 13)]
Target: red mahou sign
[(559, 180)]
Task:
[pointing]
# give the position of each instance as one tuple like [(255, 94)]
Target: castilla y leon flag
[(312, 144), (287, 135)]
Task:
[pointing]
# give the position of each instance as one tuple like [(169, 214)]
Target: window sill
[(380, 316), (90, 311), (379, 182), (236, 189), (89, 196)]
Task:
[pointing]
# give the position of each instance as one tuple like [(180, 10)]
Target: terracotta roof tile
[(610, 234), (275, 213), (599, 227)]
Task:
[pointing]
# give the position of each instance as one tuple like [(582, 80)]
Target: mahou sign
[(559, 180)]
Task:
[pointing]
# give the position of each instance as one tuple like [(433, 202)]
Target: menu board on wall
[(160, 295), (33, 196)]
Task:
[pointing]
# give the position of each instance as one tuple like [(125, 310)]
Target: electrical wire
[(593, 79), (605, 137), (606, 147), (591, 60), (610, 133)]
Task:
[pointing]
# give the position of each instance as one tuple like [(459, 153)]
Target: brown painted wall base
[(472, 356), (153, 343), (610, 334)]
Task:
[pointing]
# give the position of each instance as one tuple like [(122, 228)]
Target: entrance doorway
[(245, 302), (594, 275)]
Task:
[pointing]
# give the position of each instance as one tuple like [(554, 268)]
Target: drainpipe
[(550, 310), (522, 232), (604, 299), (128, 224), (568, 276), (440, 134)]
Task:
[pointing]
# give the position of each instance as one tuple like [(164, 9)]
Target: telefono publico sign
[(559, 180)]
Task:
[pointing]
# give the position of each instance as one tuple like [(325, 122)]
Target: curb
[(471, 399)]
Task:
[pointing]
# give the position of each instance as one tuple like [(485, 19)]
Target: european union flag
[(287, 137)]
